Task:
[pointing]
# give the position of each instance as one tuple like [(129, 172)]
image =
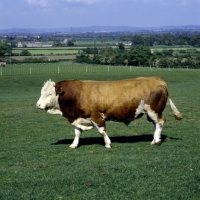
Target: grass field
[(48, 51), (36, 162)]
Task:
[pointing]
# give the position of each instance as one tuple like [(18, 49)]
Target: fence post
[(108, 68), (58, 69), (1, 72), (30, 70), (86, 69)]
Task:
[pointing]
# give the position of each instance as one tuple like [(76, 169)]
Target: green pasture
[(48, 51), (37, 163)]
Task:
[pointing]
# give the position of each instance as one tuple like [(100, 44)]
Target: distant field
[(36, 162), (51, 57), (48, 51)]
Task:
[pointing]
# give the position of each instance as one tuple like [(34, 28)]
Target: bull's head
[(48, 98)]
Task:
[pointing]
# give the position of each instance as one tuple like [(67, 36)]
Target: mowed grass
[(37, 163)]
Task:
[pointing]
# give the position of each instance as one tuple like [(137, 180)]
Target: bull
[(89, 104)]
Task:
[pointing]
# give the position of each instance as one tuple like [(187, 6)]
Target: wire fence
[(35, 69)]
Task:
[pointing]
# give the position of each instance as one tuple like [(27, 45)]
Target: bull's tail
[(175, 111)]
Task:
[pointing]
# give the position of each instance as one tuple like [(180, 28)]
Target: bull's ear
[(59, 89)]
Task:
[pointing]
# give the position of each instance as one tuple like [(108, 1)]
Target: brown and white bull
[(89, 104)]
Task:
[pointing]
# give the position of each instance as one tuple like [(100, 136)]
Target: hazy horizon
[(48, 14)]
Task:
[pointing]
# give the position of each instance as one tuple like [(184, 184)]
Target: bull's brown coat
[(116, 100), (125, 100)]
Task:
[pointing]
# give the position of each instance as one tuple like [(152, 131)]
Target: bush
[(82, 58), (25, 52)]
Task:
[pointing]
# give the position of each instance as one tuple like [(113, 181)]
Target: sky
[(41, 14)]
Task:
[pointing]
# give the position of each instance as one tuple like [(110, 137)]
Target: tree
[(57, 44), (167, 39), (137, 39), (148, 40), (70, 43), (139, 55), (25, 52), (121, 46), (5, 49), (82, 58)]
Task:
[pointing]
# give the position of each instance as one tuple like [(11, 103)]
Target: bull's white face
[(48, 98)]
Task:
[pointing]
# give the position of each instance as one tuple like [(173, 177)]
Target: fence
[(34, 69)]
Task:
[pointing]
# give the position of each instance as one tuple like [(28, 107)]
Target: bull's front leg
[(77, 132), (107, 140), (102, 131)]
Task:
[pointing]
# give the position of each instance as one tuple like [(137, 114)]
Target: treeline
[(168, 39), (144, 38), (140, 55)]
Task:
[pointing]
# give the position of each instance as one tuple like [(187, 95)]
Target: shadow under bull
[(114, 139)]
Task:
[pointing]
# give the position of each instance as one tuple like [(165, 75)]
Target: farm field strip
[(48, 51)]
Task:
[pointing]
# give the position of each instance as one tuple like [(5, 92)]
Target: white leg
[(106, 138), (77, 132), (157, 134), (104, 134)]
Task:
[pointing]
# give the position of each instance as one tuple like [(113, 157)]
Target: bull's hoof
[(72, 146), (108, 146), (157, 142)]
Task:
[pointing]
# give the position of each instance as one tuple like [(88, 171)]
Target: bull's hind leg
[(158, 122), (158, 129), (77, 132)]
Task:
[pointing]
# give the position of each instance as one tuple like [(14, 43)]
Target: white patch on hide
[(103, 116), (83, 124), (140, 108), (151, 113)]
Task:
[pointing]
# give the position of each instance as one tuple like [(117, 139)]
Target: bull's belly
[(128, 114), (84, 124), (126, 117)]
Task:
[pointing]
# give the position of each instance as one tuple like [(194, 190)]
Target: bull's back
[(119, 93)]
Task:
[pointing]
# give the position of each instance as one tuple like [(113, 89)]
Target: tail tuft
[(175, 111), (179, 116)]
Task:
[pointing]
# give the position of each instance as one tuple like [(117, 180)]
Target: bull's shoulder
[(69, 86)]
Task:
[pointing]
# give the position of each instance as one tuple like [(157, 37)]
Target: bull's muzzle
[(38, 106)]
